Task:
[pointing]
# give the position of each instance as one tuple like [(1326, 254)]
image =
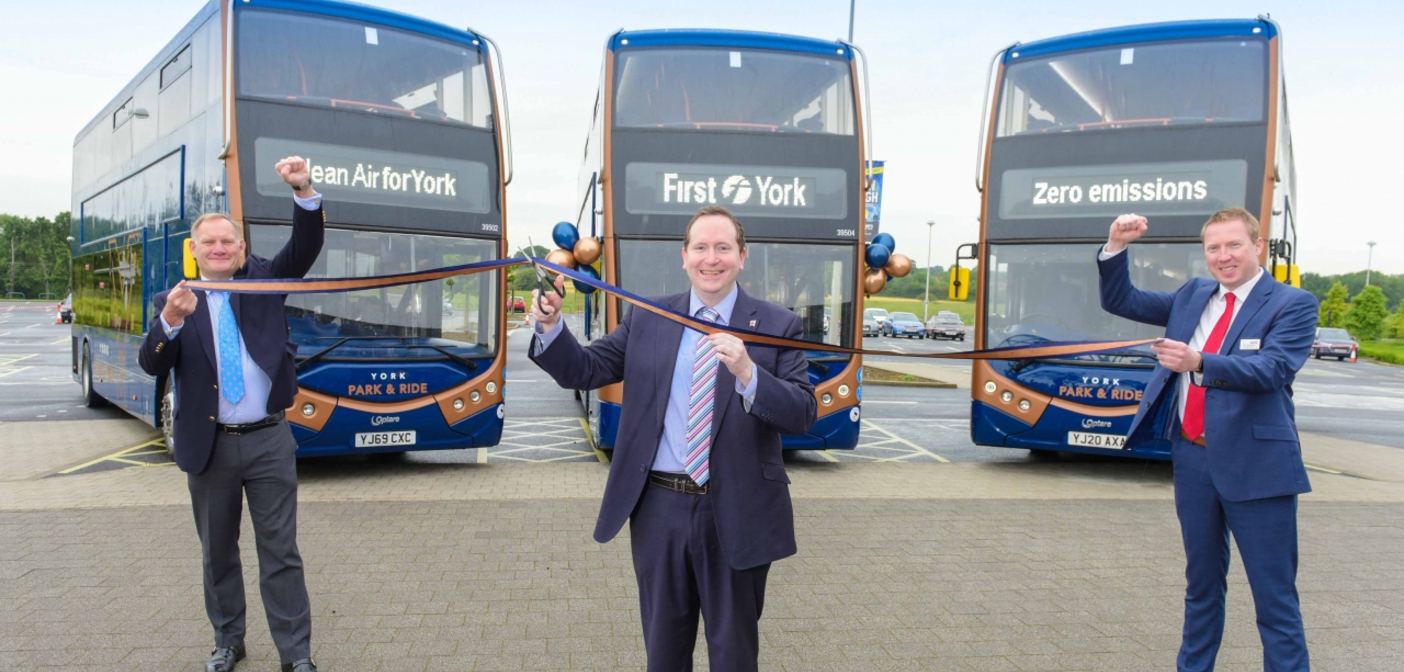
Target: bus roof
[(728, 38), (1146, 32), (346, 10)]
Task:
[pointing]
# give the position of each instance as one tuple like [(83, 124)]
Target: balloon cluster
[(575, 252), (883, 264)]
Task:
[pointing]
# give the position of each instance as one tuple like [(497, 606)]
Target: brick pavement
[(1045, 566)]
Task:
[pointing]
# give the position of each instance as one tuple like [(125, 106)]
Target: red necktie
[(1194, 403)]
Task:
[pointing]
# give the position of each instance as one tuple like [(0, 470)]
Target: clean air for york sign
[(765, 191), (1180, 188), (380, 177)]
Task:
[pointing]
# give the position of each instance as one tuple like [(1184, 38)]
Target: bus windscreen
[(1049, 292), (1159, 84), (317, 61), (456, 313), (733, 90)]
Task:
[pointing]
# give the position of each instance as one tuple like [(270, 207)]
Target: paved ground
[(482, 560)]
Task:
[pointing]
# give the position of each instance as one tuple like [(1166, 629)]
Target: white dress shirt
[(1212, 312)]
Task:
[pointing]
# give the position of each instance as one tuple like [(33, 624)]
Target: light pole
[(926, 304), (1369, 261)]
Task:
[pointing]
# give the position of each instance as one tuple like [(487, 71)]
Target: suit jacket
[(263, 326), (749, 493), (1249, 419)]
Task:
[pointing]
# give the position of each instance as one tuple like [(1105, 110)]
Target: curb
[(912, 383)]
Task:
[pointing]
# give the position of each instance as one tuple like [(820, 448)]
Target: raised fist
[(1125, 230), (294, 171)]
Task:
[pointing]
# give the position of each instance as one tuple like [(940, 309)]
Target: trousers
[(262, 465), (681, 570), (1266, 533)]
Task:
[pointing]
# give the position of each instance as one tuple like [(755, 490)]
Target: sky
[(62, 61)]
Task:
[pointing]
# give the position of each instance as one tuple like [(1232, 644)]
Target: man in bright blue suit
[(1222, 395)]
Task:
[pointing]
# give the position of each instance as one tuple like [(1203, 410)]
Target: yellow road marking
[(1324, 470), (590, 438), (825, 454), (117, 456), (938, 458), (482, 455)]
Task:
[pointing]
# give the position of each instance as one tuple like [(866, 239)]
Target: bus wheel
[(91, 398), (168, 415)]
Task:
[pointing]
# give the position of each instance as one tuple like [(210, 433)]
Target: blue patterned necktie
[(231, 361), (699, 410)]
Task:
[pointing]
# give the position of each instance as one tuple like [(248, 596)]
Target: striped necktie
[(699, 409)]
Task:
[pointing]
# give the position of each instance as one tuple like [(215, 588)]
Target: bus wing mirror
[(960, 284), (188, 267)]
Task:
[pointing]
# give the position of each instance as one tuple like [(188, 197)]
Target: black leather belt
[(252, 426), (677, 483)]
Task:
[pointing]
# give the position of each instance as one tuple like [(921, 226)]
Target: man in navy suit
[(234, 376), (1222, 395), (697, 468)]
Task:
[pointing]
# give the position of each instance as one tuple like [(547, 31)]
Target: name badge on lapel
[(1250, 344)]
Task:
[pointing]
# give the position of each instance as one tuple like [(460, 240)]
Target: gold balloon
[(561, 257), (874, 280), (899, 265), (587, 250)]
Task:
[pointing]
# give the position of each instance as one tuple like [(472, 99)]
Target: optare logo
[(1089, 423), (378, 420)]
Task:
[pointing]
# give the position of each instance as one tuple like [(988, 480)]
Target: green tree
[(34, 254), (1367, 313), (1394, 325), (1333, 306)]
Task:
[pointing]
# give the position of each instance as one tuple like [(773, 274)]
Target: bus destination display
[(360, 175), (1180, 188)]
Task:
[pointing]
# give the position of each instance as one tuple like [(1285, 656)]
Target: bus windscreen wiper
[(401, 345)]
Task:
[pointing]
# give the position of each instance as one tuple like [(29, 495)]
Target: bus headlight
[(1023, 404), (457, 404), (1007, 396), (308, 410), (989, 387), (843, 390), (474, 396), (491, 387), (828, 398)]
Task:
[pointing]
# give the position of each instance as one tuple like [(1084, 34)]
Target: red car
[(518, 304)]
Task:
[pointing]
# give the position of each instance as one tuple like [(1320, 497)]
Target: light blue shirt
[(672, 445), (254, 404)]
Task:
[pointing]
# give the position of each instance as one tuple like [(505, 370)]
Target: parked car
[(518, 304), (945, 324), (65, 310), (1336, 343), (903, 324), (871, 325)]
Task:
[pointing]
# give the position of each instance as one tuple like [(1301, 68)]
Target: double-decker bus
[(399, 120), (767, 125), (1172, 121)]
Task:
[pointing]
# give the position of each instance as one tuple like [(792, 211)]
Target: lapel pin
[(753, 324)]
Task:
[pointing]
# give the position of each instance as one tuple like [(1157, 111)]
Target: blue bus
[(1173, 121), (404, 125), (768, 125)]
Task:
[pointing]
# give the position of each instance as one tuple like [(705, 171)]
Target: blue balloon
[(878, 255), (886, 240), (585, 269), (565, 235)]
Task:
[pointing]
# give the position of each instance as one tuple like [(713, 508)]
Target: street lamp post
[(1369, 261), (926, 304)]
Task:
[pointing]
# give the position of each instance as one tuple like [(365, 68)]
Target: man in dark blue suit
[(234, 376), (1222, 395), (697, 468)]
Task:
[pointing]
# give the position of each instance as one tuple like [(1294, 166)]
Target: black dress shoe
[(223, 659), (304, 665)]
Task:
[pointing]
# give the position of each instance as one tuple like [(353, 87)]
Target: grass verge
[(1389, 350)]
